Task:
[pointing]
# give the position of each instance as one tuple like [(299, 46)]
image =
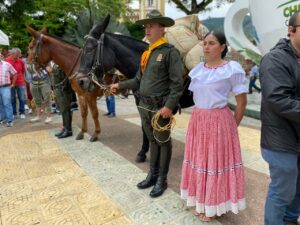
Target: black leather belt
[(4, 85)]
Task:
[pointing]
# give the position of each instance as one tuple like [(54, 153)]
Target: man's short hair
[(293, 19), (15, 50)]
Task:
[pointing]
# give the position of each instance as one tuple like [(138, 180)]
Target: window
[(150, 3)]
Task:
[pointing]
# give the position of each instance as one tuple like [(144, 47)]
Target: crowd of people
[(212, 178), (24, 87)]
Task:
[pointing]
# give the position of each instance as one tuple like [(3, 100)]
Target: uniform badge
[(159, 57)]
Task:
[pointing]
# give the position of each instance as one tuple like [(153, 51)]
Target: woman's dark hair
[(221, 39)]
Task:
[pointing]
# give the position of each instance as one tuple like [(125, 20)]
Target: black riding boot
[(165, 158), (60, 132), (154, 167), (141, 156), (67, 121)]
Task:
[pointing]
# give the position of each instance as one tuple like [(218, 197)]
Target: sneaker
[(2, 121), (22, 116), (26, 107), (35, 119), (48, 120), (30, 111), (111, 115), (74, 106), (9, 124)]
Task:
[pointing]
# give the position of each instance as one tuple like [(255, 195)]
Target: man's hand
[(114, 87), (165, 112)]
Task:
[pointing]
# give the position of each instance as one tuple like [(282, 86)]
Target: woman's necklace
[(215, 65)]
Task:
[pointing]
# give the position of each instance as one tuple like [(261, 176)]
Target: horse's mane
[(121, 38), (59, 38)]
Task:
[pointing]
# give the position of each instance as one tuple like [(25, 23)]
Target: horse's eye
[(89, 49)]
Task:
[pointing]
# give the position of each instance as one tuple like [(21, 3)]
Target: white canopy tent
[(3, 38)]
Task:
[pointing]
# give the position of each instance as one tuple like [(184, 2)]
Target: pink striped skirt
[(212, 171)]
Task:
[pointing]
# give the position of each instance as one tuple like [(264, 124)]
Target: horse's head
[(37, 53), (91, 62)]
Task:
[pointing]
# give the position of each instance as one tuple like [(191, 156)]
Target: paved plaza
[(45, 180)]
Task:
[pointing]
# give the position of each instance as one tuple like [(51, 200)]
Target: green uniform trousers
[(64, 100), (147, 112)]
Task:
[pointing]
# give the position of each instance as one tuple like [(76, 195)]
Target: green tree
[(56, 15), (85, 21), (196, 6), (135, 30)]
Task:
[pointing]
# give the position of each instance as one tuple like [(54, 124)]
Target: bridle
[(98, 63), (38, 53), (98, 60)]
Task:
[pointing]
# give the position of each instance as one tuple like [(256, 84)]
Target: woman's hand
[(114, 87)]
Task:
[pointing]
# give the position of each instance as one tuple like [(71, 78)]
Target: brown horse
[(42, 49)]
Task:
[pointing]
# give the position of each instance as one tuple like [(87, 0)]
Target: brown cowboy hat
[(154, 16)]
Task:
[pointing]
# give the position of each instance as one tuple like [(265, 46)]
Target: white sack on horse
[(182, 38), (194, 56)]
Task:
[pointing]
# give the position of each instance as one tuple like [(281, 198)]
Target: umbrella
[(3, 38)]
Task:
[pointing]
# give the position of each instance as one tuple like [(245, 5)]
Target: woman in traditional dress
[(212, 171)]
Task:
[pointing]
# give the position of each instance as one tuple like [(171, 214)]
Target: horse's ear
[(100, 28), (43, 30), (106, 22), (32, 31)]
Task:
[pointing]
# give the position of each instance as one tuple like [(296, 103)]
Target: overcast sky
[(173, 12)]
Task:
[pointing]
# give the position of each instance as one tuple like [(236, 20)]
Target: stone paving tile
[(41, 184), (117, 177)]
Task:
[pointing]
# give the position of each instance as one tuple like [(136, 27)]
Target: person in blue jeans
[(6, 112), (19, 89), (111, 106), (7, 116), (253, 75), (280, 131)]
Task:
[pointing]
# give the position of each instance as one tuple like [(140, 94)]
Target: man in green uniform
[(63, 95), (159, 84)]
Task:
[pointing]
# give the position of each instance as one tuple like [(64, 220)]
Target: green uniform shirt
[(162, 76), (58, 75)]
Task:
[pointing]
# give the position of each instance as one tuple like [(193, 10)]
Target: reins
[(156, 127), (98, 62)]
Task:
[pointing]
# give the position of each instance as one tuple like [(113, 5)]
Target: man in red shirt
[(20, 85)]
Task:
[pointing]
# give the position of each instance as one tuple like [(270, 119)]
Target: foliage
[(84, 23), (56, 15), (136, 31), (253, 55), (196, 6)]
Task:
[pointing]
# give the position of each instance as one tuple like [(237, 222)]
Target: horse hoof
[(79, 136), (93, 138)]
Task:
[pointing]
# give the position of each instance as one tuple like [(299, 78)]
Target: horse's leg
[(92, 103), (84, 113)]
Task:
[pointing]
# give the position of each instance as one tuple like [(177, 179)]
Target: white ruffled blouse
[(211, 86)]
